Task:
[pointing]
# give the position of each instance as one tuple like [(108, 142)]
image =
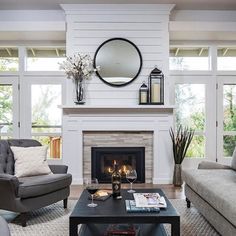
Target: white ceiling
[(180, 4)]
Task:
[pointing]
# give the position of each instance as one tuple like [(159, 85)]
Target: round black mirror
[(120, 61)]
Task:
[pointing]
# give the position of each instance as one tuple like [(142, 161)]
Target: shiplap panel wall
[(146, 25)]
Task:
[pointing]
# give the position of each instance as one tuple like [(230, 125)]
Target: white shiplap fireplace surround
[(112, 109)]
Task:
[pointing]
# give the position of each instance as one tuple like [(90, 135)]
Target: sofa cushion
[(30, 161), (39, 185), (217, 187), (233, 162)]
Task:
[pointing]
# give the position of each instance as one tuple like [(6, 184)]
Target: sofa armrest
[(9, 185), (58, 169), (212, 165)]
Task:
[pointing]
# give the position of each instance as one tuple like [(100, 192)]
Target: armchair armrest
[(9, 185), (212, 165), (58, 169)]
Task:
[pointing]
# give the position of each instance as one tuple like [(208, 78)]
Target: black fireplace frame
[(98, 151)]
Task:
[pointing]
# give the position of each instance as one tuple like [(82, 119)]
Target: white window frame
[(22, 104)]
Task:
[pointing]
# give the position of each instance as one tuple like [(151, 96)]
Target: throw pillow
[(233, 162), (30, 161)]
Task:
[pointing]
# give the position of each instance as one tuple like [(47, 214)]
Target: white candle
[(143, 97), (156, 93)]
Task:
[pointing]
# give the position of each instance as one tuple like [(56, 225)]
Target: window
[(190, 111), (9, 59), (6, 110), (229, 119), (46, 116), (189, 58), (44, 59), (226, 58)]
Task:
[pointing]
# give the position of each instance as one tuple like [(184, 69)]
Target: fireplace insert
[(104, 159)]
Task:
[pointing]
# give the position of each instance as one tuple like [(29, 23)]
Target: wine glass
[(92, 187), (131, 176)]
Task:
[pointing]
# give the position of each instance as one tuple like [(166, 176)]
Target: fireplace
[(104, 158)]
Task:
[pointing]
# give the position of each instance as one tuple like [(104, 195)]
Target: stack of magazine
[(145, 202)]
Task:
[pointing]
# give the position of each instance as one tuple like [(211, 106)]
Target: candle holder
[(156, 87)]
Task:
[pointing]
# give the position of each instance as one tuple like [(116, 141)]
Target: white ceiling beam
[(57, 52), (176, 52), (9, 52), (19, 26), (195, 26), (225, 51), (33, 52), (200, 52)]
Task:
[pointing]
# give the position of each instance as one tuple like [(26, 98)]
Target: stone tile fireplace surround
[(85, 127)]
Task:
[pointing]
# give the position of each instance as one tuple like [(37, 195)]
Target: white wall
[(145, 25)]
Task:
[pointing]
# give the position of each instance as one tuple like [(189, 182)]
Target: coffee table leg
[(175, 227), (73, 229)]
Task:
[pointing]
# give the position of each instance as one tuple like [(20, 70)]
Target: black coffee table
[(95, 220)]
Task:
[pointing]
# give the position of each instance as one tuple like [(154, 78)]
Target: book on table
[(122, 229), (149, 200), (131, 207)]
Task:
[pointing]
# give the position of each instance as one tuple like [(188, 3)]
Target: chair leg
[(65, 203), (188, 203), (23, 218)]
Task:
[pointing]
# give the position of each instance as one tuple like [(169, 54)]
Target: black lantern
[(156, 87), (143, 94)]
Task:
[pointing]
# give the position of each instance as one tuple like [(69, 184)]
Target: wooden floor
[(170, 191)]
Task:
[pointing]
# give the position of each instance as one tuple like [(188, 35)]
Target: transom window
[(226, 58), (9, 59), (44, 59), (189, 58)]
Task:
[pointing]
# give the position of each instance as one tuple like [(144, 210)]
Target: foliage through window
[(190, 111), (6, 109), (229, 122), (46, 116)]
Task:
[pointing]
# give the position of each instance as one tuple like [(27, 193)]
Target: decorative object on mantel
[(79, 68), (180, 143), (120, 61), (143, 94), (156, 87)]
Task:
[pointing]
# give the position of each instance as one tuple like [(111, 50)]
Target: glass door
[(226, 130), (9, 108)]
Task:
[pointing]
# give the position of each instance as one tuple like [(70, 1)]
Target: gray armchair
[(29, 193)]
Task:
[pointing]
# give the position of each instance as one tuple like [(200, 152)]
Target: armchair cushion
[(30, 161), (39, 185)]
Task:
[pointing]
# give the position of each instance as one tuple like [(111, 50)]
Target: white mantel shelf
[(136, 109)]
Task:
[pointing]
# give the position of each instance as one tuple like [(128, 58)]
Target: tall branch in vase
[(180, 144), (79, 68)]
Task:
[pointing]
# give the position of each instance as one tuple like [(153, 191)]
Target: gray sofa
[(29, 193), (212, 190), (4, 230)]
